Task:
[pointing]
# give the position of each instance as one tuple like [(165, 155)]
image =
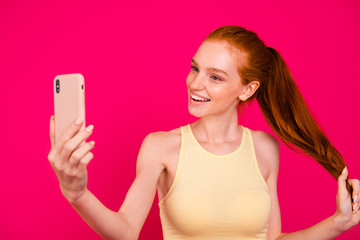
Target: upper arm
[(268, 152), (141, 194)]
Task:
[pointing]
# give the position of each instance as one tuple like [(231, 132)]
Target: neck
[(217, 128)]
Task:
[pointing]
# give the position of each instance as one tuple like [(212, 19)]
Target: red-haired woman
[(216, 179)]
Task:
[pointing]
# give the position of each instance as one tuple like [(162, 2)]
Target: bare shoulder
[(267, 152), (163, 143), (165, 135), (267, 141), (162, 140)]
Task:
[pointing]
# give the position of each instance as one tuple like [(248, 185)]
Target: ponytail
[(286, 112)]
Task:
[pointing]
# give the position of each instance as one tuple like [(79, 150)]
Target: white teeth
[(199, 98)]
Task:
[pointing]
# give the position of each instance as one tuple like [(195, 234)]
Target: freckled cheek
[(189, 79), (222, 95)]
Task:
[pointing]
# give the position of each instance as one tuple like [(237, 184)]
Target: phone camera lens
[(57, 85)]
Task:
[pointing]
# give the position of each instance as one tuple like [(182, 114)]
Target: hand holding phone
[(69, 160)]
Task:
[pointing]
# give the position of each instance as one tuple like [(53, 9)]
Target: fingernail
[(52, 117), (344, 171), (78, 120), (92, 142), (355, 198), (90, 128)]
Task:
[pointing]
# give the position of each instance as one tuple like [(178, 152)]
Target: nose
[(197, 82)]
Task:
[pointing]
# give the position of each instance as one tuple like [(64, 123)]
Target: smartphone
[(69, 101)]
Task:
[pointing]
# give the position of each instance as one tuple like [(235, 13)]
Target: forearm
[(105, 222), (324, 230)]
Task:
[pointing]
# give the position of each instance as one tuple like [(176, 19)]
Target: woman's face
[(214, 85)]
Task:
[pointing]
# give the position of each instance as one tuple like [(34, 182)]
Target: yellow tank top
[(216, 196)]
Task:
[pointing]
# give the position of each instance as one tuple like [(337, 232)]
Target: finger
[(342, 181), (356, 189), (52, 131), (69, 133), (79, 153), (355, 207), (73, 144), (85, 161)]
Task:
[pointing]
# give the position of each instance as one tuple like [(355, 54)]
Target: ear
[(249, 90)]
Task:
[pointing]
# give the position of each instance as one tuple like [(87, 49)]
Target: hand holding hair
[(347, 212)]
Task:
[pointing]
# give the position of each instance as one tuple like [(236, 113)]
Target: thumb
[(342, 179)]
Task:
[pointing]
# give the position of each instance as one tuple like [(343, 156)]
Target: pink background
[(135, 58)]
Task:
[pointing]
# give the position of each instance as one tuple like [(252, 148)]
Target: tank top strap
[(185, 129)]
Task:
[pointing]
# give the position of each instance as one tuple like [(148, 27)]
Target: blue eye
[(215, 78), (194, 68)]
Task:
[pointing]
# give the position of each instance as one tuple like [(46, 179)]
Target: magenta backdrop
[(135, 58)]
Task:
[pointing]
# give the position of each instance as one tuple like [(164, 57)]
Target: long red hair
[(279, 98)]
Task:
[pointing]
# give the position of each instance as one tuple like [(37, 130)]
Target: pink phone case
[(69, 101)]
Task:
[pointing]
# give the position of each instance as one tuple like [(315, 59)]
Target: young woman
[(215, 179)]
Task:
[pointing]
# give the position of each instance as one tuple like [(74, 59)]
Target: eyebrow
[(211, 68)]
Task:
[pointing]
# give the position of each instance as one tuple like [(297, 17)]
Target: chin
[(195, 113)]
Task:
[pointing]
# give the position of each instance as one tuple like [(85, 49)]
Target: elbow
[(130, 233), (129, 236), (132, 236), (124, 232), (280, 236)]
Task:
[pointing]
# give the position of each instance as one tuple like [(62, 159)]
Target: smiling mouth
[(199, 99)]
